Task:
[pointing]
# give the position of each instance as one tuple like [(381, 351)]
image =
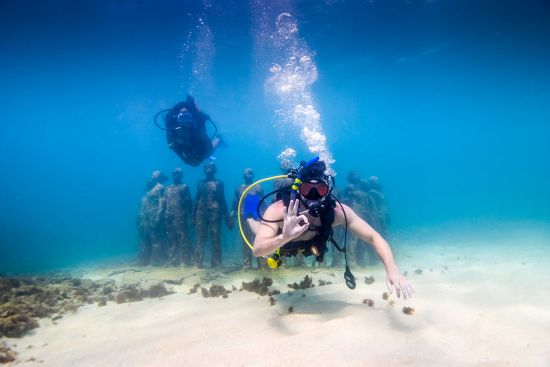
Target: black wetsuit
[(189, 141)]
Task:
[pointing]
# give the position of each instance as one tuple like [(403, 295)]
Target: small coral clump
[(156, 290), (369, 280), (304, 284), (257, 286), (369, 302), (324, 282), (218, 290), (194, 288), (136, 292), (6, 354), (408, 310)]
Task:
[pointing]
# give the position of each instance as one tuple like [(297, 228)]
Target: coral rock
[(369, 280), (304, 284), (369, 302), (14, 322), (257, 286)]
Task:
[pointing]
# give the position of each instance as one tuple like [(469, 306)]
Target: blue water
[(446, 101)]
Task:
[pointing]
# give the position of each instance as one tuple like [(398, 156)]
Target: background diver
[(302, 223), (186, 133)]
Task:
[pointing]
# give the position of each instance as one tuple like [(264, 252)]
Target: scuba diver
[(302, 223), (186, 133)]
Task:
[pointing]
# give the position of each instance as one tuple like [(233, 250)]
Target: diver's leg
[(203, 148)]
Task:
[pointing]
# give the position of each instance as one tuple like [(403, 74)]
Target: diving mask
[(314, 190)]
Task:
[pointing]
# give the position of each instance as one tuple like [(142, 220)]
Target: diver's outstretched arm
[(394, 279)]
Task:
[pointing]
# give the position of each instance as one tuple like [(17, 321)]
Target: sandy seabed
[(474, 306)]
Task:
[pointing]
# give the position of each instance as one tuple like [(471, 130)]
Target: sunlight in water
[(292, 75), (197, 52)]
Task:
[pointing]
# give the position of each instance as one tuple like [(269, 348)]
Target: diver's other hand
[(294, 225), (395, 280)]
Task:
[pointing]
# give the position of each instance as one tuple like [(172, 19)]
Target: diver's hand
[(294, 225), (395, 280)]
